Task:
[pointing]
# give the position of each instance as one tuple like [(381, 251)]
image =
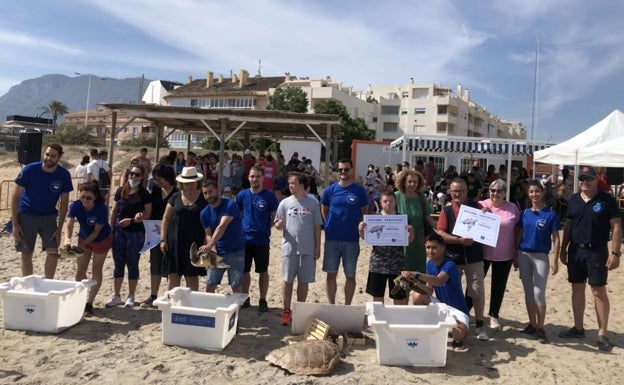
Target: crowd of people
[(234, 216)]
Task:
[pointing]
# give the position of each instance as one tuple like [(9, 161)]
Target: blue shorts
[(335, 251), (236, 260)]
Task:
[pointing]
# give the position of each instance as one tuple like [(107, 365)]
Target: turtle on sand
[(316, 357), (208, 259)]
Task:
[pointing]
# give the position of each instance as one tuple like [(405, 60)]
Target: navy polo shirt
[(591, 221)]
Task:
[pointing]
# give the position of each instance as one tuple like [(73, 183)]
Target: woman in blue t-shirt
[(539, 224), (95, 236)]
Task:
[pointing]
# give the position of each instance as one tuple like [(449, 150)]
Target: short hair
[(143, 149), (103, 153), (500, 183), (536, 183), (345, 160), (57, 147), (402, 180), (459, 180), (301, 178), (257, 167), (387, 193), (94, 152), (211, 182), (164, 171), (435, 237)]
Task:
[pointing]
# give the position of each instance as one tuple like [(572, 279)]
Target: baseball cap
[(587, 172)]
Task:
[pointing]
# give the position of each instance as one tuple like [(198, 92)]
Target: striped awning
[(467, 146)]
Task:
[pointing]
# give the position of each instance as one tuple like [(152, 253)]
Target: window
[(390, 127), (442, 110), (404, 94), (418, 93), (389, 110), (419, 111), (403, 112)]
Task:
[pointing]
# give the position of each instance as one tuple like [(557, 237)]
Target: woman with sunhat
[(180, 228)]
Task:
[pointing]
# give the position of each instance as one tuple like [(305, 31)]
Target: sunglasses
[(586, 179), (135, 174), (346, 169), (86, 197), (495, 191)]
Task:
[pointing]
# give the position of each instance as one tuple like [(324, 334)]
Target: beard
[(49, 163)]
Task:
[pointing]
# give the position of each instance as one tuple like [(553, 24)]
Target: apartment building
[(100, 122), (428, 109)]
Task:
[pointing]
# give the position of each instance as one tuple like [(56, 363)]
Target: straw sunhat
[(188, 175)]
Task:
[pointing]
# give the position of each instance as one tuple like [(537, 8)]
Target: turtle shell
[(306, 357)]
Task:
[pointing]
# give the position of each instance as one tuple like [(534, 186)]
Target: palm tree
[(56, 109)]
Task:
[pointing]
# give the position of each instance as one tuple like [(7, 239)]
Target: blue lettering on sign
[(192, 320), (232, 321), (412, 344)]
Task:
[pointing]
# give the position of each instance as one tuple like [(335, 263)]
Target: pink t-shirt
[(505, 249)]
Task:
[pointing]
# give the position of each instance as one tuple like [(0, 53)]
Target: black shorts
[(259, 255), (588, 265), (376, 285)]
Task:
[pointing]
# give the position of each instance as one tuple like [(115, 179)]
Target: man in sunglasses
[(342, 206), (591, 215)]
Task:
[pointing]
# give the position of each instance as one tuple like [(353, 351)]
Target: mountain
[(30, 95)]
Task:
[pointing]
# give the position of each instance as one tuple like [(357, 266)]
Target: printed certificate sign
[(474, 223), (386, 230), (152, 234)]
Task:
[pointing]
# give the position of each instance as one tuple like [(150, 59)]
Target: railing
[(7, 186)]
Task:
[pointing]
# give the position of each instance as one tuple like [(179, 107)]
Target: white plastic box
[(43, 305), (341, 318), (199, 320), (410, 335)]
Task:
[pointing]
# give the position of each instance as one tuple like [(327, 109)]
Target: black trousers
[(498, 283)]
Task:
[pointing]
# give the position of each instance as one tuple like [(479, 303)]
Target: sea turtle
[(208, 259), (416, 284), (316, 357), (71, 252)]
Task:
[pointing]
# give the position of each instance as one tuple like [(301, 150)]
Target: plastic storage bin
[(43, 305), (410, 335), (199, 320)]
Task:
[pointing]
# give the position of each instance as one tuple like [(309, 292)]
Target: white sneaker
[(494, 324), (114, 300), (482, 335), (129, 301)]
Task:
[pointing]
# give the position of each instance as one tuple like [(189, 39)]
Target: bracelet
[(617, 253), (163, 240)]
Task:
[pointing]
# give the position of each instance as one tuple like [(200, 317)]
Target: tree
[(56, 109), (352, 129), (291, 99)]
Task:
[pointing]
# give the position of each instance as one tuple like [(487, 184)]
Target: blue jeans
[(236, 260)]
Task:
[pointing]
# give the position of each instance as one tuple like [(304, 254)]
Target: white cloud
[(23, 40)]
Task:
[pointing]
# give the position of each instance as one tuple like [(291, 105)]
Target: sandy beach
[(121, 345)]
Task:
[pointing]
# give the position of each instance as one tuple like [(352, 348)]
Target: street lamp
[(88, 95)]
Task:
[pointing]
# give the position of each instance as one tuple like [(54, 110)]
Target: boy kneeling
[(442, 278)]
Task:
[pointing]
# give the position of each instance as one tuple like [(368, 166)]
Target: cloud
[(22, 40)]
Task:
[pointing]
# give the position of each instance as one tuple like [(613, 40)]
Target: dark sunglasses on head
[(346, 169)]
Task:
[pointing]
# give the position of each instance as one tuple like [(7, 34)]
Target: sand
[(122, 345)]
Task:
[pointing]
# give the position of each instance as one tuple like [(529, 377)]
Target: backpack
[(104, 178)]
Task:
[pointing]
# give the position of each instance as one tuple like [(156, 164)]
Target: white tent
[(608, 154), (569, 152)]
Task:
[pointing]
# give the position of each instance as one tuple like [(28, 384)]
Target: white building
[(156, 91), (427, 109)]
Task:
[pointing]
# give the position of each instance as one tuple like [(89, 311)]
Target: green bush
[(72, 135), (144, 141)]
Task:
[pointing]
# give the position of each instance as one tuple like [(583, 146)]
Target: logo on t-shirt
[(298, 212), (56, 186), (352, 199), (541, 224), (261, 204), (597, 207), (91, 221)]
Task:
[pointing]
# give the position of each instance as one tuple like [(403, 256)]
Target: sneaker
[(459, 346), (129, 301), (494, 324), (88, 311), (263, 306), (246, 304), (482, 335), (604, 344), (541, 336), (114, 300), (529, 329), (286, 317), (572, 333), (149, 302)]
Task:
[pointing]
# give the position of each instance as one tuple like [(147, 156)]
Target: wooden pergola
[(225, 124)]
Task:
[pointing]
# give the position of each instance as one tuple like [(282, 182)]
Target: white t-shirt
[(94, 166)]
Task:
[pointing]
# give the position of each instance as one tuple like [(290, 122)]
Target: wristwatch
[(617, 253)]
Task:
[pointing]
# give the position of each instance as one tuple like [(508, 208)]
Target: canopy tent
[(608, 154), (569, 152)]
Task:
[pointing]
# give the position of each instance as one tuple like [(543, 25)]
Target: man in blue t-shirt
[(342, 206), (38, 188), (221, 220), (443, 279), (257, 206)]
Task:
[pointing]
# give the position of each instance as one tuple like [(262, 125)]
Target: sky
[(488, 46)]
